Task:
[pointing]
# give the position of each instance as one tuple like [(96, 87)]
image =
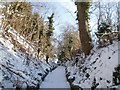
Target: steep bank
[(95, 70)]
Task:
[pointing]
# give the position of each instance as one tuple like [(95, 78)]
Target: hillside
[(19, 69), (97, 68)]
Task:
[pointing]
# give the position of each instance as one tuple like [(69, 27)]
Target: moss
[(87, 4)]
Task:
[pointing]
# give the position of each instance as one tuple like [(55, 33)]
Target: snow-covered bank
[(56, 79), (19, 71), (19, 65), (97, 67)]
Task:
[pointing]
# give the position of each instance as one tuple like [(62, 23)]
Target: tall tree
[(49, 33), (70, 43), (83, 8)]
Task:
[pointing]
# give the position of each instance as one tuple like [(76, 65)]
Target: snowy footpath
[(56, 79)]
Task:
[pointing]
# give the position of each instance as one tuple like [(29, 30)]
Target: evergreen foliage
[(103, 28), (50, 25)]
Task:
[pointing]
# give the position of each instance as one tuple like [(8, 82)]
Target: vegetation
[(30, 25), (39, 33), (70, 44), (85, 39), (32, 33)]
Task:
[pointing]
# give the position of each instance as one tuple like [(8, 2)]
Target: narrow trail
[(56, 79)]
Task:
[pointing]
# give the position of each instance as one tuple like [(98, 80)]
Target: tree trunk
[(83, 28)]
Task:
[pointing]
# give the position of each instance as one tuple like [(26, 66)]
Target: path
[(56, 79)]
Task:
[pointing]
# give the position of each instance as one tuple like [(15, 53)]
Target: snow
[(56, 79), (26, 44), (18, 69), (99, 65), (18, 64)]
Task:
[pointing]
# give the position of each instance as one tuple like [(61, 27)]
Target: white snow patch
[(100, 65), (56, 79)]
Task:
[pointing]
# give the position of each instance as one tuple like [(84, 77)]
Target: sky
[(64, 14)]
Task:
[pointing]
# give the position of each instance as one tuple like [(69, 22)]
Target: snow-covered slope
[(18, 69), (97, 67)]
